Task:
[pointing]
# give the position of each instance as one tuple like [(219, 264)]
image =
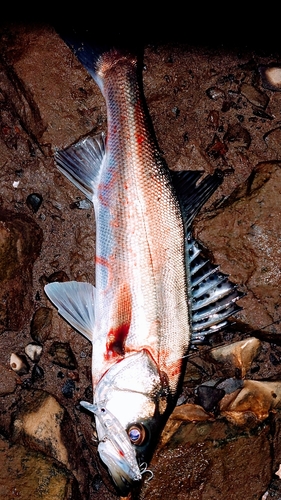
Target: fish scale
[(157, 212), (156, 294)]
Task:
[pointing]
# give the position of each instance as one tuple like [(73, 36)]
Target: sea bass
[(154, 294)]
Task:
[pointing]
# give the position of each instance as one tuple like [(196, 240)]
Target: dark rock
[(209, 396), (41, 324), (262, 114), (226, 105), (68, 388), (215, 451), (57, 276), (215, 93), (238, 136), (62, 355), (43, 424), (248, 228), (37, 373), (254, 96), (34, 201)]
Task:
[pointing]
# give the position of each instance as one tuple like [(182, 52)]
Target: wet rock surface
[(211, 108)]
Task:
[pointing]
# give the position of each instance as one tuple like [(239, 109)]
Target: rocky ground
[(211, 108)]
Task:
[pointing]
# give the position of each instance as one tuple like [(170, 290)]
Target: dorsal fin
[(213, 297), (192, 194)]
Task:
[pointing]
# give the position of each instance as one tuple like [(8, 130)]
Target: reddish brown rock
[(208, 461), (27, 475), (245, 239), (20, 245), (9, 381)]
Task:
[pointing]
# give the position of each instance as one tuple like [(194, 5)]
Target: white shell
[(19, 364)]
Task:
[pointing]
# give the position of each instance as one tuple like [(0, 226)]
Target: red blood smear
[(116, 339)]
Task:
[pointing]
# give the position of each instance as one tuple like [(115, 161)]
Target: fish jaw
[(131, 406), (115, 448)]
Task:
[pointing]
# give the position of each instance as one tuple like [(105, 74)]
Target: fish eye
[(136, 433)]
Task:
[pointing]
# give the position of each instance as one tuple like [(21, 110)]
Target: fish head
[(131, 407)]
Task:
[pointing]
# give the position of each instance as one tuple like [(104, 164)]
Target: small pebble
[(37, 373), (74, 375), (68, 388), (214, 118), (254, 96), (217, 148), (215, 93), (271, 77), (41, 324), (238, 135), (27, 384), (209, 396), (62, 355), (33, 351), (81, 204), (34, 201)]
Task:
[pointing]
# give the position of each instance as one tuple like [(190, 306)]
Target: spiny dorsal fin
[(213, 297)]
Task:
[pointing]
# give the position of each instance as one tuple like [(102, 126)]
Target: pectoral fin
[(75, 302), (81, 163)]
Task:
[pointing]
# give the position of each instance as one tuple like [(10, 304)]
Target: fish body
[(140, 316)]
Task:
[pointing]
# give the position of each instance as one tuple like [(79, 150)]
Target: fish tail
[(96, 59)]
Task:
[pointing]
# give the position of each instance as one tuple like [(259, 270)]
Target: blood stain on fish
[(116, 339)]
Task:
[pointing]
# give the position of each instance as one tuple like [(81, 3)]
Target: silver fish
[(155, 294)]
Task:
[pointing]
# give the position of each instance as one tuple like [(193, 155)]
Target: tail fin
[(85, 52), (93, 56)]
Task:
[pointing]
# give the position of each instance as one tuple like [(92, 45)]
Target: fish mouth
[(115, 448), (124, 473)]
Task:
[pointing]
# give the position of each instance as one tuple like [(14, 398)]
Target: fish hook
[(144, 470)]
